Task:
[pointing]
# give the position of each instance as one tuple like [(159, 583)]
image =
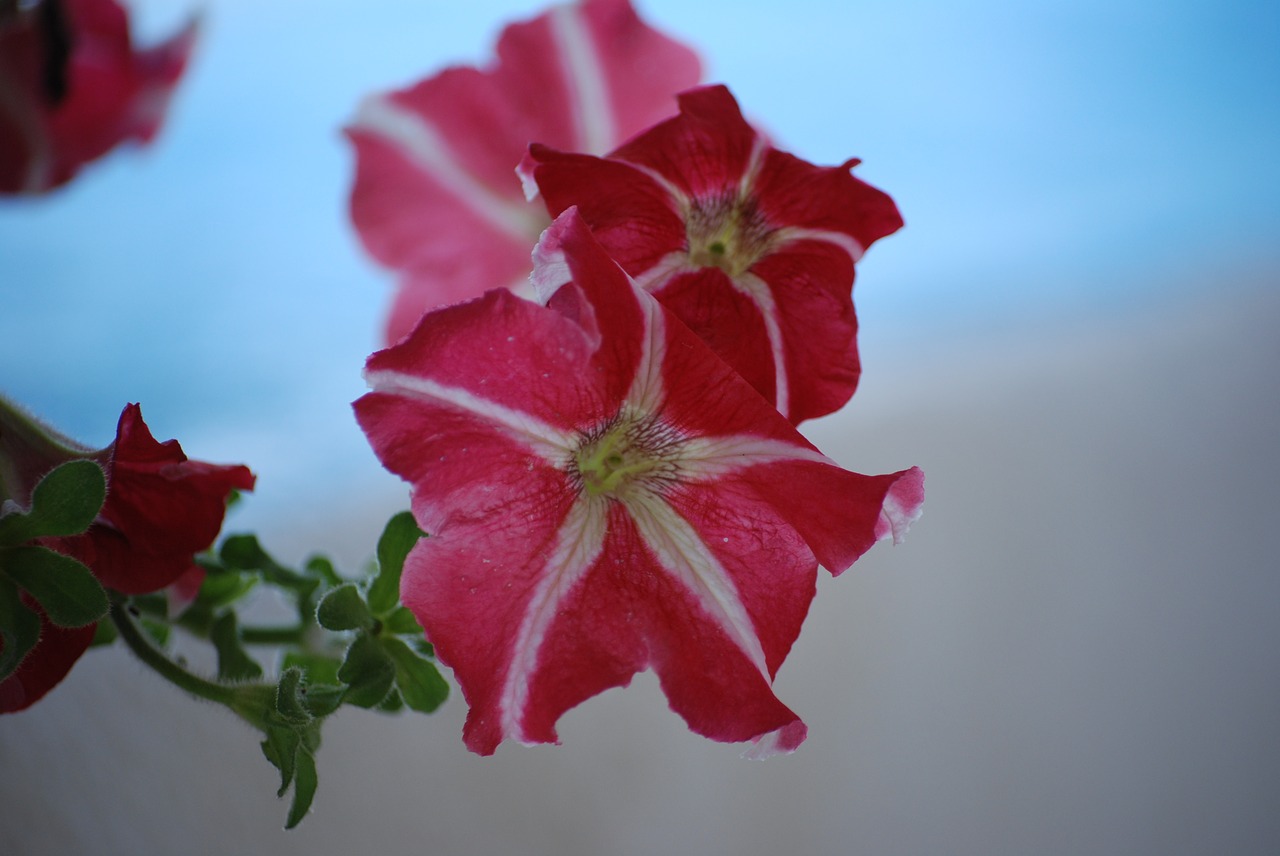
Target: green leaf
[(281, 749), (19, 628), (367, 671), (304, 788), (397, 540), (418, 680), (65, 502), (234, 663), (69, 594), (402, 623), (104, 634), (344, 609), (244, 553), (322, 568), (224, 589), (393, 703), (157, 630), (324, 699)]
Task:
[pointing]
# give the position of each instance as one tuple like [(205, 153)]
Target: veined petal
[(793, 192), (161, 509), (600, 291), (802, 290), (578, 546), (839, 514), (636, 217), (476, 579), (505, 360), (680, 551), (705, 151)]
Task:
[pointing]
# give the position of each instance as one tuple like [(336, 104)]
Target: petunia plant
[(617, 300)]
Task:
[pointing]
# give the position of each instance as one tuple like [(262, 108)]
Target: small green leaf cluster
[(345, 643), (351, 643), (64, 504)]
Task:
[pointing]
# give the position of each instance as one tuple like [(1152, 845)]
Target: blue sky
[(1051, 162)]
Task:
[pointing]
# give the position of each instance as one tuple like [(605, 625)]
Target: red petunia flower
[(751, 247), (604, 495), (435, 194), (72, 87), (161, 509)]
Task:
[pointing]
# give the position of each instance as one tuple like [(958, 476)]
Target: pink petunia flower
[(72, 87), (604, 495), (435, 194), (161, 509), (751, 247)]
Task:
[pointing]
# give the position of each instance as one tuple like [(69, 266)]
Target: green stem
[(243, 698)]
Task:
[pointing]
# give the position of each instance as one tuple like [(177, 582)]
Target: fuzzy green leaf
[(69, 594), (367, 671), (322, 568), (64, 503), (344, 609), (306, 781), (418, 679), (402, 623), (398, 538)]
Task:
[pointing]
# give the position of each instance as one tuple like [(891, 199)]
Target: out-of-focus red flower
[(435, 195), (161, 509), (73, 87), (751, 247), (604, 495)]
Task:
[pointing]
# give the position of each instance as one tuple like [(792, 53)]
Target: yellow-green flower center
[(627, 452), (727, 233)]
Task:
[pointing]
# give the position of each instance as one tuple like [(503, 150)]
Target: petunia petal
[(161, 509), (435, 196)]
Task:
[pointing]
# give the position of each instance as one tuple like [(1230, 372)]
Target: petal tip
[(783, 741), (903, 505)]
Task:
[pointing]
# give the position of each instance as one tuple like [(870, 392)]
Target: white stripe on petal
[(578, 544), (681, 551), (788, 234), (682, 202), (585, 80), (661, 274), (420, 141), (710, 458), (647, 392), (760, 293), (546, 440), (754, 163)]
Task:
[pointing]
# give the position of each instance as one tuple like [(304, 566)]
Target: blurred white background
[(1075, 336)]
